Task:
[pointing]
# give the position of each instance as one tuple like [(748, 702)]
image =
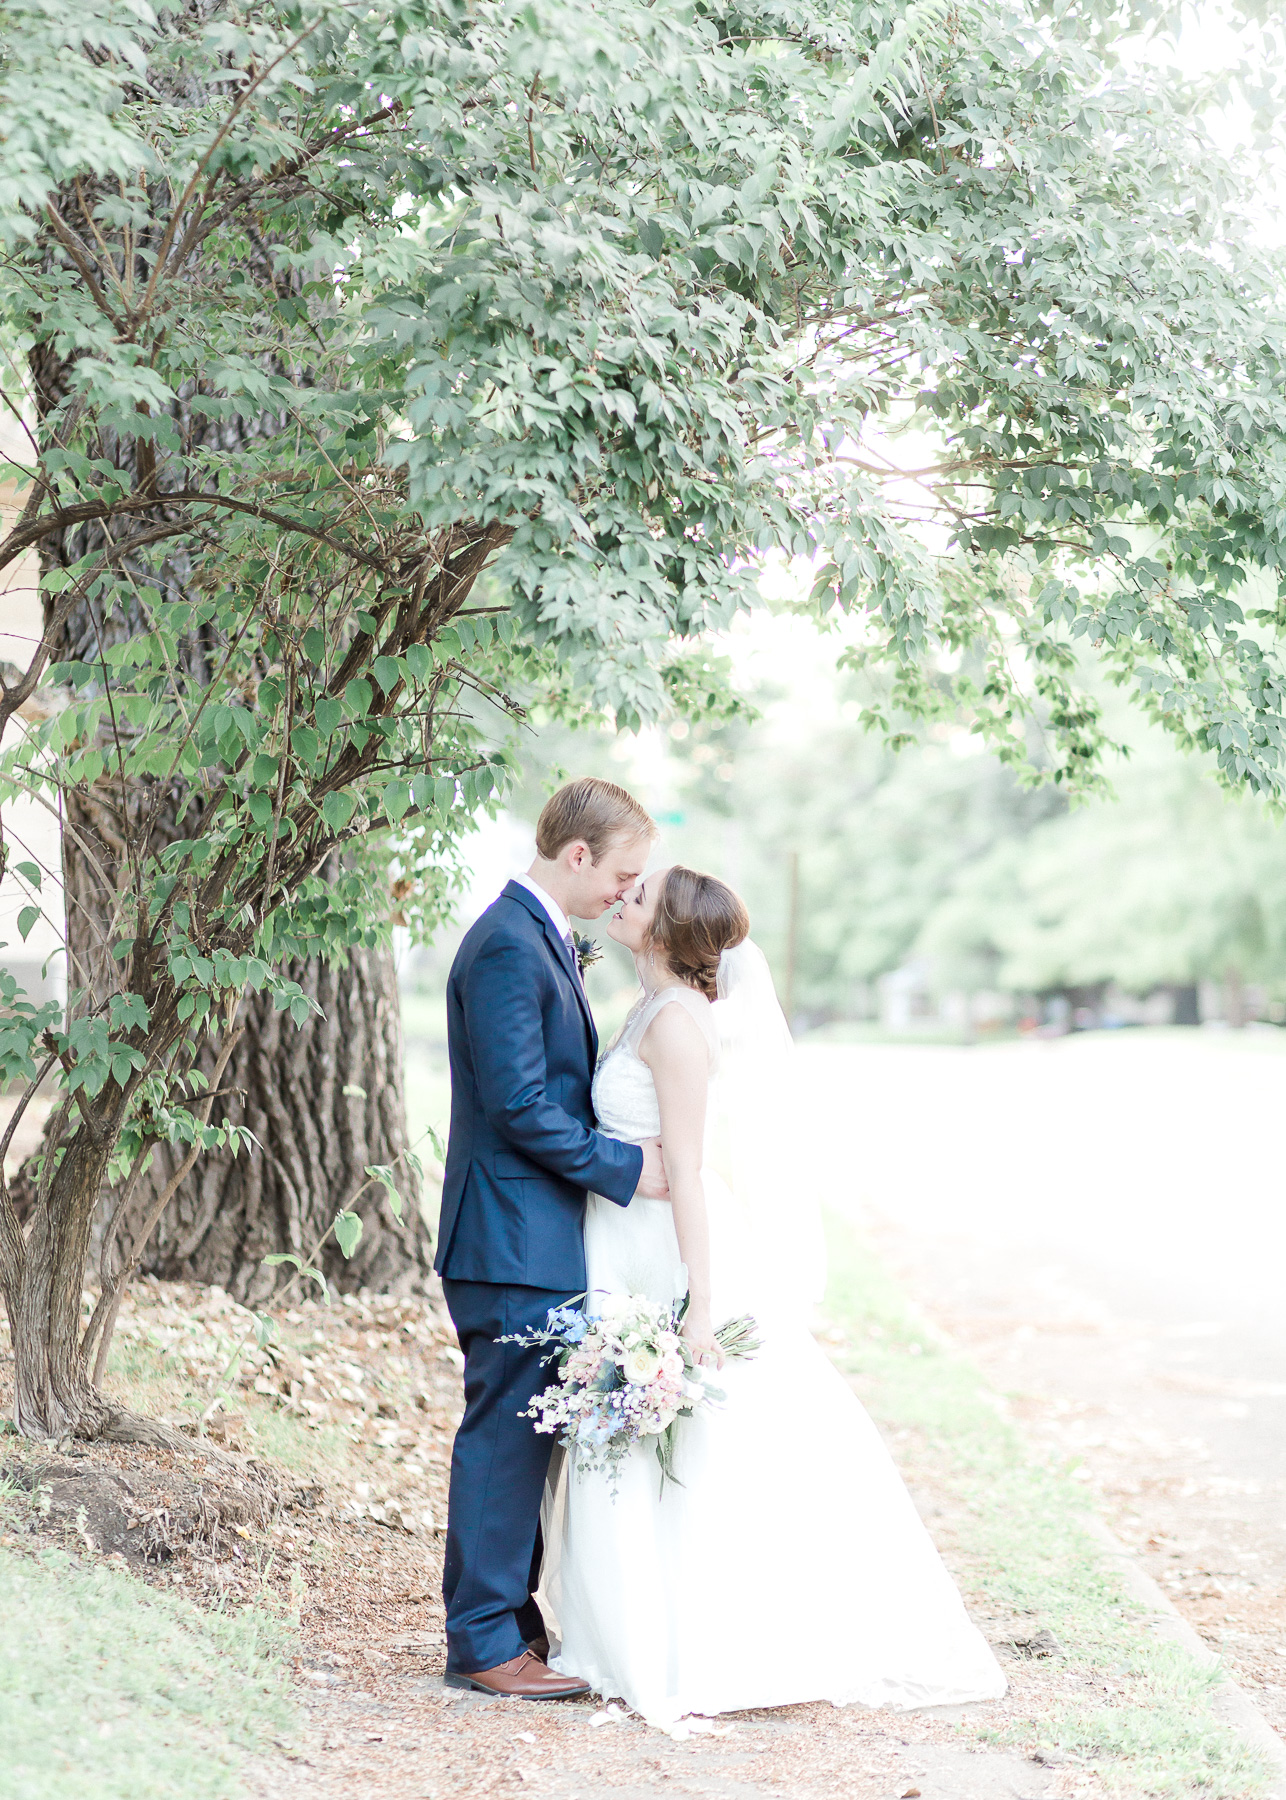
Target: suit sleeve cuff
[(629, 1180)]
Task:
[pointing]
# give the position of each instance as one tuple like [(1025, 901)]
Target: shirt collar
[(558, 918)]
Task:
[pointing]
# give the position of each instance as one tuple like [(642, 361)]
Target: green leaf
[(338, 808), (383, 1173), (357, 698), (27, 917), (283, 1256), (265, 1329), (129, 1012), (306, 744), (29, 872), (396, 798), (348, 1232), (260, 806)]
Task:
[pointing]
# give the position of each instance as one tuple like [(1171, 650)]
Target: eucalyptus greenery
[(387, 367)]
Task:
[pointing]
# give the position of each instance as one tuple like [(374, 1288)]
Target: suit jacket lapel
[(516, 891)]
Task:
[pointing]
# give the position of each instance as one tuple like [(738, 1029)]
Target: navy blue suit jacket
[(523, 1150)]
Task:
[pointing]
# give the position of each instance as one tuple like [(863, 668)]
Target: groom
[(522, 1154)]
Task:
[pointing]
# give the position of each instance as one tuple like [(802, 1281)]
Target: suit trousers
[(498, 1469)]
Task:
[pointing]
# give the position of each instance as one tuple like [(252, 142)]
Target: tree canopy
[(386, 366)]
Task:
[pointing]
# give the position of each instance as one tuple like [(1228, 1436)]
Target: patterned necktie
[(570, 942)]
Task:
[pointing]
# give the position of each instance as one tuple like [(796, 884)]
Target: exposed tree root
[(116, 1425)]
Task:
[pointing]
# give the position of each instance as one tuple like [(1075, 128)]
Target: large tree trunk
[(298, 1091)]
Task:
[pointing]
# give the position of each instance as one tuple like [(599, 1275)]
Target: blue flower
[(595, 1432), (568, 1323)]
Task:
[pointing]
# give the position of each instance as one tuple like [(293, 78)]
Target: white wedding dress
[(791, 1564)]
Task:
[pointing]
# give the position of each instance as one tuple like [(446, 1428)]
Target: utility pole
[(792, 933)]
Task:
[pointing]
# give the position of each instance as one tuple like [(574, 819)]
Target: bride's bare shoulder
[(681, 1030)]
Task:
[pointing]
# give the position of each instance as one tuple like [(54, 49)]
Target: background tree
[(606, 298), (1171, 886)]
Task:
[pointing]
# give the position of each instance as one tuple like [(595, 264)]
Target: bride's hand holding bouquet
[(699, 1335)]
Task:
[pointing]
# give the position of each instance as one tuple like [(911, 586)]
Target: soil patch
[(146, 1514)]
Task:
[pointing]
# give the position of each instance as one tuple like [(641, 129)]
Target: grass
[(111, 1689), (1139, 1706)]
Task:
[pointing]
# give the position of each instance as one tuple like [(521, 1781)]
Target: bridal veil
[(755, 1133)]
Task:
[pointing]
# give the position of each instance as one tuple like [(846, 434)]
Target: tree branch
[(76, 250), (23, 537)]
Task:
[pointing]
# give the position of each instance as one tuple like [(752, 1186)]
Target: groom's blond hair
[(592, 812)]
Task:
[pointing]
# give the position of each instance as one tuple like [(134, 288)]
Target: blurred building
[(912, 1000)]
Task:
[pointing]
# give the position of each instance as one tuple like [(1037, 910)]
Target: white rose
[(614, 1306), (641, 1365)]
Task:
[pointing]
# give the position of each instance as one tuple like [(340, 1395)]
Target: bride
[(788, 1564)]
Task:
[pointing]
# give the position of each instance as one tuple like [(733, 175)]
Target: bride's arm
[(675, 1051)]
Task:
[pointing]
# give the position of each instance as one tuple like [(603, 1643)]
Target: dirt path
[(392, 1736)]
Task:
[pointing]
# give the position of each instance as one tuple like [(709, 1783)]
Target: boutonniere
[(587, 951)]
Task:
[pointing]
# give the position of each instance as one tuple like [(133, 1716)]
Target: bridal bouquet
[(625, 1373)]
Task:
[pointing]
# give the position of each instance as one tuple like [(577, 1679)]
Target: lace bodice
[(624, 1093)]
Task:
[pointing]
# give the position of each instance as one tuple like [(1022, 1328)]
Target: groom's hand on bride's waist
[(652, 1182)]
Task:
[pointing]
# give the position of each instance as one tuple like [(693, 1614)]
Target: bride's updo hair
[(697, 918)]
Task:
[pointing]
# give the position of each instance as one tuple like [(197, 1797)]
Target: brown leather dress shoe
[(523, 1677)]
